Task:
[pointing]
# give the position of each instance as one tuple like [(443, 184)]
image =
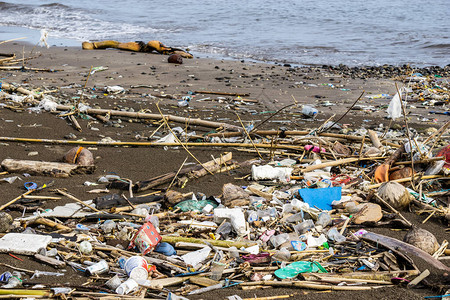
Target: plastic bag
[(292, 270), (395, 107)]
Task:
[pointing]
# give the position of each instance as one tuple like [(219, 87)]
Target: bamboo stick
[(335, 163), (25, 292), (139, 115), (393, 209), (178, 140), (374, 186), (219, 243), (10, 87), (297, 132), (15, 199), (222, 93), (149, 144)]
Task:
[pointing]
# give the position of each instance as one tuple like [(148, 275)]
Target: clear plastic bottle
[(304, 227), (334, 235), (309, 111), (277, 240), (108, 226), (323, 221), (283, 254), (252, 216), (295, 218), (224, 230)]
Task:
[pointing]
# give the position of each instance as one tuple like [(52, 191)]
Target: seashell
[(422, 239), (395, 194)]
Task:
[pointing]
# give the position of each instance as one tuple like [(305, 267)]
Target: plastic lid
[(139, 273)]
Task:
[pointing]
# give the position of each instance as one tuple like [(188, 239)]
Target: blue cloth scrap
[(322, 197)]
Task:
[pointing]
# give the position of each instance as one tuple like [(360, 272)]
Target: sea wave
[(63, 21)]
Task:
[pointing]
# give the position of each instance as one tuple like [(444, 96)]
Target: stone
[(370, 212)]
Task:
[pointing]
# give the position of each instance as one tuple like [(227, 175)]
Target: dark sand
[(274, 86)]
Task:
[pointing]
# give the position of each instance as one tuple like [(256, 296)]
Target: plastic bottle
[(98, 268), (277, 240), (14, 281), (234, 252), (127, 287), (252, 216), (323, 221), (294, 218), (304, 227), (435, 167), (334, 235), (309, 111), (223, 230), (108, 226), (283, 254), (217, 269)]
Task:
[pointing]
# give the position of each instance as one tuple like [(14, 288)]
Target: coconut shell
[(402, 173), (395, 194), (422, 239), (80, 156), (175, 59)]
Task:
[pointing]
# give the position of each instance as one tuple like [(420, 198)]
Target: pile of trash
[(307, 217)]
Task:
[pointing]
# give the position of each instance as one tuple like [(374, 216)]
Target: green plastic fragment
[(292, 270)]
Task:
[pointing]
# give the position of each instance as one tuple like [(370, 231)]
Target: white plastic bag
[(395, 107)]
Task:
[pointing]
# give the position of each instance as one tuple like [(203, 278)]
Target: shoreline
[(11, 32), (330, 89)]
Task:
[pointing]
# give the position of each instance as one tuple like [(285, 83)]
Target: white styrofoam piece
[(20, 243)]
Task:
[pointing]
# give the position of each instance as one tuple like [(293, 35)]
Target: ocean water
[(300, 32)]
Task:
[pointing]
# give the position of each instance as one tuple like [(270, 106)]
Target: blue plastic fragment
[(322, 197)]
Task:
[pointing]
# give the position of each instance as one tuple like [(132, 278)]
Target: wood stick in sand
[(393, 209), (15, 199), (222, 93), (77, 200)]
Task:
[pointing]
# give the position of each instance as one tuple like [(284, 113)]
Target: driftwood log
[(170, 118), (53, 169), (413, 252), (194, 171)]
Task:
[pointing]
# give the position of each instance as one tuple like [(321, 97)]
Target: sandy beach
[(253, 91)]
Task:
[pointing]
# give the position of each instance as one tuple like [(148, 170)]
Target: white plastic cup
[(114, 282), (127, 287), (136, 268), (217, 269)]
